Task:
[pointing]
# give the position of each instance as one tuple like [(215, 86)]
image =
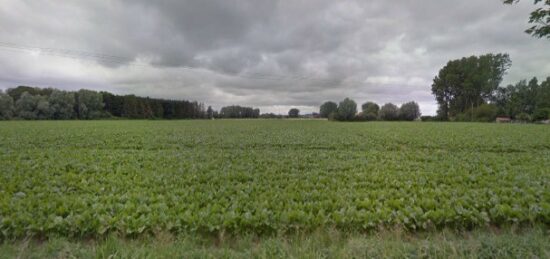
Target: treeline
[(32, 103), (238, 112), (468, 89), (346, 110), (524, 101)]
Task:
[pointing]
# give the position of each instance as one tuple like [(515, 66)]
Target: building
[(503, 120)]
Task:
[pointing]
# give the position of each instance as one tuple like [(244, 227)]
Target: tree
[(409, 111), (541, 114), (540, 18), (468, 82), (114, 104), (7, 107), (523, 117), (209, 112), (62, 105), (327, 108), (16, 93), (43, 110), (347, 109), (543, 95), (485, 113), (25, 107), (236, 111), (370, 111), (89, 104), (293, 113), (389, 112), (523, 97)]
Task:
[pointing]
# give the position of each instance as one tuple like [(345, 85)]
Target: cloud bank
[(263, 53)]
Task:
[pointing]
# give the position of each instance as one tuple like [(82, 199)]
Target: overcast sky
[(263, 53)]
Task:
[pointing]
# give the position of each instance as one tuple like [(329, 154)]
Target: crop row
[(79, 179)]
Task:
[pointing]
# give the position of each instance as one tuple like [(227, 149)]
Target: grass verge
[(487, 243)]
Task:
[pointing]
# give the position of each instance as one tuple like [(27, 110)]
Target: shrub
[(428, 118), (523, 117), (541, 114), (485, 113)]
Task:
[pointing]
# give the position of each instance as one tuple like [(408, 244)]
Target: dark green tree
[(370, 110), (209, 112), (523, 97), (16, 93), (327, 108), (114, 104), (409, 111), (293, 113), (7, 106), (25, 106), (389, 112), (89, 104), (236, 111), (43, 109), (468, 82), (62, 105), (347, 109), (540, 18)]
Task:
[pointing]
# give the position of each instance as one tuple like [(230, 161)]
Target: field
[(89, 179), (133, 179)]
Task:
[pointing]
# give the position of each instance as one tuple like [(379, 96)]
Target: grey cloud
[(265, 53)]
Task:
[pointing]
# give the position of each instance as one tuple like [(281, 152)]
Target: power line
[(91, 56)]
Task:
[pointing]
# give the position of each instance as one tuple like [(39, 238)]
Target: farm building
[(503, 120)]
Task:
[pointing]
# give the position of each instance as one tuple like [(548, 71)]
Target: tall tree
[(327, 108), (468, 82), (523, 97), (89, 104), (62, 105), (540, 18), (7, 107), (25, 106), (209, 112), (43, 110)]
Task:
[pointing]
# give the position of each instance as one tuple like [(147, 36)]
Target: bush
[(361, 117), (333, 116), (541, 114), (371, 116), (463, 117), (523, 117), (485, 113), (428, 118)]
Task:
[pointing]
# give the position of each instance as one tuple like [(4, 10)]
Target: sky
[(269, 54)]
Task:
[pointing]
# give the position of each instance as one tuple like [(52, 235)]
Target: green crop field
[(93, 178)]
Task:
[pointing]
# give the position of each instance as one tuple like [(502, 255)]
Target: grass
[(486, 243)]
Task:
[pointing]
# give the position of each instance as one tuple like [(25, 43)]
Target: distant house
[(503, 119)]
